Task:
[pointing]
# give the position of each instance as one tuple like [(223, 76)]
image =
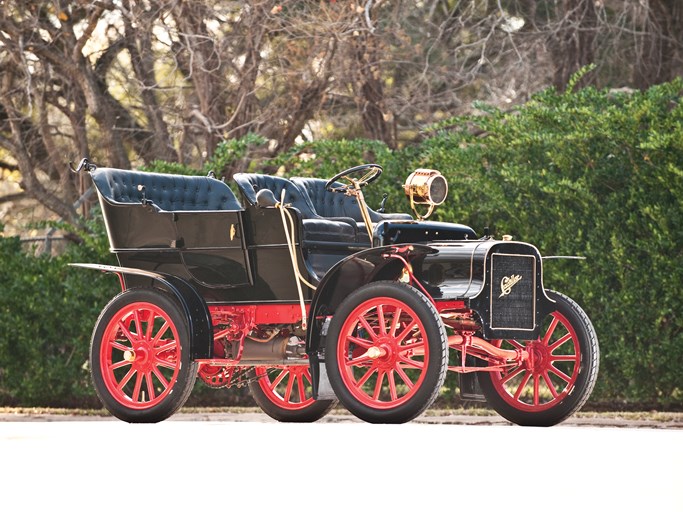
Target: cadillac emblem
[(507, 283)]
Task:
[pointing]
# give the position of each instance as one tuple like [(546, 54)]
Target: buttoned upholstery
[(165, 191), (333, 204), (315, 227)]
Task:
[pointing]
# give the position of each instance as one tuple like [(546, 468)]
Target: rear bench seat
[(167, 192)]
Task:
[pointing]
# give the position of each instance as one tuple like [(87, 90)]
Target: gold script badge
[(507, 283)]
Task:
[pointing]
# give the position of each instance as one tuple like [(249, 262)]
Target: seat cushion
[(323, 230)]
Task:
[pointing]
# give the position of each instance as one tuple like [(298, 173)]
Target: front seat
[(315, 228), (332, 204)]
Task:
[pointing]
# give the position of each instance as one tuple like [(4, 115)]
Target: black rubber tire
[(175, 394), (308, 414), (575, 395), (436, 362)]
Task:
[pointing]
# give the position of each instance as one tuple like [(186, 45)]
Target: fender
[(193, 305), (375, 264)]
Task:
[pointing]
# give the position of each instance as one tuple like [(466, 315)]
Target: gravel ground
[(648, 419)]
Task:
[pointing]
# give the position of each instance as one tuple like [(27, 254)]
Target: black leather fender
[(376, 264), (193, 305)]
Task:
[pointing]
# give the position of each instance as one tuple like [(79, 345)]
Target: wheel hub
[(538, 358)]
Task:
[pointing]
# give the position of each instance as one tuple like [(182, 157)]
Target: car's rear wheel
[(285, 394), (385, 352), (557, 377), (140, 356)]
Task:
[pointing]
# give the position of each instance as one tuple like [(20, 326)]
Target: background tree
[(128, 83)]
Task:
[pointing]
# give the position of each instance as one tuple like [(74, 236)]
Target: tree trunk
[(572, 43)]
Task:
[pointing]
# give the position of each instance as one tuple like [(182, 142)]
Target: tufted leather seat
[(165, 191), (332, 204), (316, 228)]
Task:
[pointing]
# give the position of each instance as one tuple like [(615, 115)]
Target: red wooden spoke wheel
[(382, 345), (285, 393), (386, 352), (140, 357), (558, 375)]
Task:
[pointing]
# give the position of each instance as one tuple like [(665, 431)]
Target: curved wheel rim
[(550, 372), (288, 387), (382, 353), (140, 355)]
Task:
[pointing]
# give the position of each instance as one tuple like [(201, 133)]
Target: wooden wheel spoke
[(380, 319), (560, 342), (411, 346), (290, 387), (560, 374), (118, 346), (404, 333), (126, 332), (378, 385), (138, 324), (392, 385), (168, 346), (522, 385), (368, 328), (395, 322), (568, 357), (150, 325), (126, 378), (302, 390), (165, 363), (411, 362), (550, 385), (276, 381), (550, 331), (150, 385), (161, 377), (160, 333), (360, 342), (118, 365), (404, 377), (138, 386), (360, 382), (512, 375)]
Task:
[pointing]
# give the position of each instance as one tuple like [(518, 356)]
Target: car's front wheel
[(385, 352), (558, 374)]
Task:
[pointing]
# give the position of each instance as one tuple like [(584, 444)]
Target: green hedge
[(47, 313), (590, 173)]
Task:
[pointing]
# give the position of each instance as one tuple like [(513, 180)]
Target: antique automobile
[(307, 295)]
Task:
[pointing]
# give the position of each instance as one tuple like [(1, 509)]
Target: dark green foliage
[(47, 313)]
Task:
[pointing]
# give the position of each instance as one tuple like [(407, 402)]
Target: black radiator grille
[(513, 291)]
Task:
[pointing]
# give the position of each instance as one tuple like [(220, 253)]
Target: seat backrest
[(249, 184), (332, 204), (168, 192)]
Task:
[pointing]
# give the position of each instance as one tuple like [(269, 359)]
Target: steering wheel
[(370, 176)]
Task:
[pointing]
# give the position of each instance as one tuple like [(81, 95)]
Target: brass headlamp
[(425, 186)]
